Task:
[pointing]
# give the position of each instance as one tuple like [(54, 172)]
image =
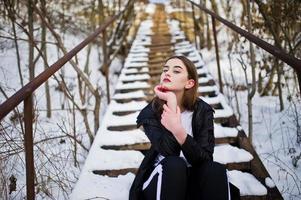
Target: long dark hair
[(190, 95)]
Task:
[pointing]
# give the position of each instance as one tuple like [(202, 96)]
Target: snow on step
[(137, 77), (202, 71), (136, 59), (186, 50), (134, 55), (247, 183), (135, 64), (188, 46), (195, 53), (133, 85), (129, 95), (112, 159), (134, 70), (226, 111), (92, 186), (139, 50), (225, 153), (204, 89), (211, 100), (123, 137), (130, 106), (129, 119), (205, 79), (222, 132)]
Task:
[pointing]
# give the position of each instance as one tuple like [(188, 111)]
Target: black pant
[(179, 182)]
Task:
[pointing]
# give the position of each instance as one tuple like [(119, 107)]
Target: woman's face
[(175, 76)]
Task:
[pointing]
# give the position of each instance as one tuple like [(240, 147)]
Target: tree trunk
[(277, 8), (30, 6), (208, 32), (44, 50), (253, 89), (269, 84), (12, 16), (279, 85)]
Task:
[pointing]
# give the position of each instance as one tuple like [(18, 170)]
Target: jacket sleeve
[(200, 147), (162, 140)]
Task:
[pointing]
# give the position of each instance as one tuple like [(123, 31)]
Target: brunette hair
[(190, 95)]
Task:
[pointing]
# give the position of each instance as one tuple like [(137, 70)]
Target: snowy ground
[(274, 137)]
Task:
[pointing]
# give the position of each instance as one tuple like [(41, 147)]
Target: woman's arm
[(162, 140), (201, 147), (171, 116)]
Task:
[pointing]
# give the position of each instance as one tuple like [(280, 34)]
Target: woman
[(179, 164)]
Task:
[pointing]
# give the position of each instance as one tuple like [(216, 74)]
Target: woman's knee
[(211, 168), (216, 170)]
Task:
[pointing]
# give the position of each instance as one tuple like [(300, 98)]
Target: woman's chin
[(166, 84)]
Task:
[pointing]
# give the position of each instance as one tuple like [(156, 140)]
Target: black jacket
[(195, 149)]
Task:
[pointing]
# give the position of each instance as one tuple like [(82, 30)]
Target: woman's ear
[(190, 83)]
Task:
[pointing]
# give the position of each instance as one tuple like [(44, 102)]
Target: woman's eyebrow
[(176, 66)]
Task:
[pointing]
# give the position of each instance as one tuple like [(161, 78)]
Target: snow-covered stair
[(119, 146)]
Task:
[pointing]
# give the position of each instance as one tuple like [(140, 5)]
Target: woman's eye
[(176, 72), (165, 70)]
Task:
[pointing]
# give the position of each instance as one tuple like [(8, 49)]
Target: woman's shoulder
[(201, 105), (147, 114)]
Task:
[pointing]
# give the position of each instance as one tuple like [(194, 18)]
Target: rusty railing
[(25, 94)]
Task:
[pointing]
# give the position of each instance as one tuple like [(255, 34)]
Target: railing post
[(28, 143), (105, 62), (217, 56)]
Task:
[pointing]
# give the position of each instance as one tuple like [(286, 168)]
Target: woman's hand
[(163, 93), (171, 120)]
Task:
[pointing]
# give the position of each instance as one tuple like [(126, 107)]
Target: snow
[(123, 137), (113, 159), (212, 88), (246, 183), (274, 136), (225, 153), (128, 95), (221, 132), (100, 187), (130, 106), (269, 182), (129, 119), (134, 77), (133, 85), (135, 64)]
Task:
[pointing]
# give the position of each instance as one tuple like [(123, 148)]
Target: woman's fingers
[(166, 108), (178, 110)]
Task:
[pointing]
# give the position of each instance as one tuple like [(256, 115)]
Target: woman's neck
[(179, 96)]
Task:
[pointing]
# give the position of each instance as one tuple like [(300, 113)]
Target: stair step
[(115, 172), (120, 146), (138, 146)]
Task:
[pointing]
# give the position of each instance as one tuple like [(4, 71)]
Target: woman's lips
[(166, 80)]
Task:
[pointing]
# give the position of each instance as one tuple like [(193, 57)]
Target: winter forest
[(71, 132)]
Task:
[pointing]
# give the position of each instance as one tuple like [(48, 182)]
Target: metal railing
[(292, 61), (25, 94)]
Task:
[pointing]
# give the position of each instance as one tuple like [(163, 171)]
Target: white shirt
[(186, 118)]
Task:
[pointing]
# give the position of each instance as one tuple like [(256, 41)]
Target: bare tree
[(44, 50), (10, 8)]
